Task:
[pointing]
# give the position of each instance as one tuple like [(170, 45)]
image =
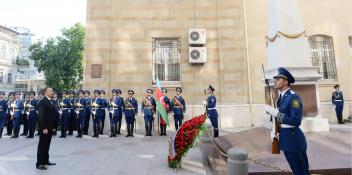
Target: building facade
[(28, 78), (129, 44), (9, 49)]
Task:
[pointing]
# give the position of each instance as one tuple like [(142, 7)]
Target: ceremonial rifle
[(269, 100)]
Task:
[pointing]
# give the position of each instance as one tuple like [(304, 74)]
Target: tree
[(61, 58)]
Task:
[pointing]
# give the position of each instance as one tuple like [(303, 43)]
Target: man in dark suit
[(46, 115)]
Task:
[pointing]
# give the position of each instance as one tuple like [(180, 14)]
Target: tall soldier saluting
[(32, 115), (148, 108), (3, 109), (131, 111), (337, 101), (289, 115), (178, 107), (211, 110)]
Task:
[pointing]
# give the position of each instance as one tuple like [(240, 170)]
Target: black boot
[(146, 130), (98, 131), (118, 128), (15, 133), (112, 131), (216, 132), (132, 128), (128, 130), (101, 130), (79, 131), (161, 130), (165, 130), (30, 133), (94, 131), (1, 129), (150, 129)]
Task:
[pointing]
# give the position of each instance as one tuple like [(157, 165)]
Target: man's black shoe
[(50, 163), (41, 167)]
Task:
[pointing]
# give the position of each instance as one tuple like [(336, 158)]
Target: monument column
[(288, 47)]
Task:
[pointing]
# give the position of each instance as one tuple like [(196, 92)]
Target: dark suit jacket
[(46, 114)]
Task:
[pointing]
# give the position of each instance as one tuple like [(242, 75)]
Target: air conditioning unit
[(197, 55), (197, 36)]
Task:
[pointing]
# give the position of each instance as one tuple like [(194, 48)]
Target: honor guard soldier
[(103, 107), (18, 108), (9, 123), (116, 107), (72, 118), (56, 103), (148, 108), (32, 113), (64, 111), (337, 101), (88, 111), (289, 116), (211, 110), (97, 112), (25, 114), (178, 107), (3, 111), (131, 111), (168, 108), (80, 112)]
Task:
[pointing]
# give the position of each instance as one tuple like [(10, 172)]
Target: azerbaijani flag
[(161, 105)]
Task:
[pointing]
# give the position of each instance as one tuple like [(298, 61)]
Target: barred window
[(350, 41), (166, 60), (322, 55)]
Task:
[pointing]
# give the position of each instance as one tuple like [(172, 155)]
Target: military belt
[(286, 126), (129, 108), (338, 100), (211, 109)]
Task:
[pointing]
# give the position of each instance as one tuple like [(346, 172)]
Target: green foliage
[(61, 58), (22, 62)]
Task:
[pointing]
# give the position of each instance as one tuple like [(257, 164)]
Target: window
[(167, 59), (322, 54), (350, 41), (9, 78), (1, 77)]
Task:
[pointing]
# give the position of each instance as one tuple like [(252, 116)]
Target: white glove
[(204, 103), (272, 111)]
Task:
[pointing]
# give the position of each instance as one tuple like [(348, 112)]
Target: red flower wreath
[(185, 139)]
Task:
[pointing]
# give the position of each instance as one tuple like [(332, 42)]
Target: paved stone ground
[(103, 156)]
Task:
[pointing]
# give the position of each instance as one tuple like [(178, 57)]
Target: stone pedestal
[(288, 47)]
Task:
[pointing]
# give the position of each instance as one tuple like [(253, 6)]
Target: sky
[(44, 18)]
